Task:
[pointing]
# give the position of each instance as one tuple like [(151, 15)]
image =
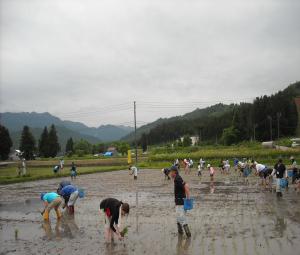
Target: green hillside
[(230, 124), (212, 111)]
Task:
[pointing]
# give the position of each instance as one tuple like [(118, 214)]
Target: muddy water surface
[(229, 217)]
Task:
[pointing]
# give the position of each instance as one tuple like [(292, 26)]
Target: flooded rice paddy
[(229, 217)]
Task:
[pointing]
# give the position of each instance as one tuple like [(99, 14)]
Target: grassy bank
[(9, 175)]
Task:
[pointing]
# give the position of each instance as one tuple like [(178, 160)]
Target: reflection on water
[(280, 226), (183, 245), (114, 248), (64, 228), (212, 187), (137, 214)]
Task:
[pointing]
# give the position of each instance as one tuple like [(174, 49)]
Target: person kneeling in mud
[(51, 200), (70, 194), (181, 191), (114, 210), (166, 172)]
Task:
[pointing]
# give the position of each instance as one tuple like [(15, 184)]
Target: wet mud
[(229, 217)]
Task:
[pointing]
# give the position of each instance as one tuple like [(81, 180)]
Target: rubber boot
[(58, 213), (179, 227), (187, 230), (46, 215)]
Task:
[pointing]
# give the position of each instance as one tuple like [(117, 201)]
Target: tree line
[(267, 118), (48, 145)]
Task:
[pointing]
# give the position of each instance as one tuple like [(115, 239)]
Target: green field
[(220, 152), (157, 158), (9, 174)]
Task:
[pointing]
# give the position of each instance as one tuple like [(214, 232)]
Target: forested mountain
[(212, 111), (37, 121), (239, 121)]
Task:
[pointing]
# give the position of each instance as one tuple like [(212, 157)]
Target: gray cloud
[(80, 56)]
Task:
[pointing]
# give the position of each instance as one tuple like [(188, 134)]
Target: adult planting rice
[(263, 172), (181, 191), (113, 211), (70, 193), (62, 184), (280, 172)]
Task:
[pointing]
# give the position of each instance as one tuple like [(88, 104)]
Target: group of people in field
[(64, 197), (114, 211), (273, 178)]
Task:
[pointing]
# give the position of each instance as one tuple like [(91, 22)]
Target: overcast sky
[(88, 60)]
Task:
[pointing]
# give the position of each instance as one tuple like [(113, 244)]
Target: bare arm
[(273, 172), (187, 190)]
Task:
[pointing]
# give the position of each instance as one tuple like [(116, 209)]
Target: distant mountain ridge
[(77, 130), (215, 110), (238, 122)]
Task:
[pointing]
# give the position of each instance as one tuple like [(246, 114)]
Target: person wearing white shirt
[(134, 172)]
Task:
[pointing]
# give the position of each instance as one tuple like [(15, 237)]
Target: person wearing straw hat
[(181, 191)]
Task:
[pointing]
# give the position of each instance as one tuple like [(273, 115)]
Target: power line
[(108, 108)]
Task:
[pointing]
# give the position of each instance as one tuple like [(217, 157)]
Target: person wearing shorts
[(51, 200), (211, 172), (73, 171), (70, 194), (113, 211)]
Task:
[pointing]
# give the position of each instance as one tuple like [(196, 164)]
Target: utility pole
[(136, 156), (254, 129), (278, 117), (270, 118)]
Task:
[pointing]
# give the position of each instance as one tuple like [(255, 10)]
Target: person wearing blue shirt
[(61, 185), (51, 200), (70, 194)]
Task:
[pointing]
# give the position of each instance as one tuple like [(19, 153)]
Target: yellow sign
[(129, 157)]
